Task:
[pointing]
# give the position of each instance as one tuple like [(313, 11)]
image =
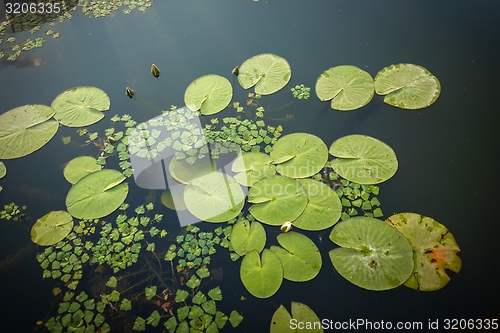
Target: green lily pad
[(281, 320), (26, 129), (363, 159), (277, 200), (247, 236), (267, 72), (349, 87), (373, 255), (435, 250), (209, 94), (80, 106), (263, 278), (97, 194), (253, 167), (51, 228), (79, 167), (185, 172), (407, 86), (3, 170), (169, 198), (214, 197), (299, 256), (299, 155), (323, 209)]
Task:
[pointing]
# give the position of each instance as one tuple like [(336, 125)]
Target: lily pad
[(79, 167), (349, 87), (299, 155), (262, 278), (97, 194), (267, 72), (185, 172), (277, 200), (80, 106), (281, 320), (247, 236), (299, 256), (209, 94), (51, 228), (169, 198), (435, 250), (26, 129), (407, 86), (363, 159), (214, 197), (373, 255), (253, 167), (3, 170), (323, 209)]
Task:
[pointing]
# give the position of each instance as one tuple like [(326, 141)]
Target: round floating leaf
[(97, 194), (435, 250), (51, 228), (80, 106), (261, 278), (299, 155), (184, 172), (171, 197), (280, 323), (267, 72), (253, 167), (79, 167), (407, 86), (373, 255), (299, 256), (214, 197), (323, 209), (277, 200), (26, 129), (348, 87), (3, 170), (363, 159), (209, 94), (247, 236)]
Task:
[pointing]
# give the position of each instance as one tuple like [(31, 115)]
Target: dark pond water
[(446, 152)]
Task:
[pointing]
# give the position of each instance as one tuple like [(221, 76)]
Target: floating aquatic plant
[(79, 167), (280, 322), (434, 247), (52, 228), (261, 276), (97, 194), (348, 87), (301, 92), (267, 72), (372, 254), (26, 129), (209, 94), (363, 159), (407, 86)]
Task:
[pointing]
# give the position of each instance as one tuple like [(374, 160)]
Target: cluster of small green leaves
[(31, 22), (301, 91), (115, 143), (194, 312), (86, 227), (120, 245), (113, 298), (101, 8), (65, 260), (177, 128), (10, 211), (245, 134), (356, 199), (79, 314)]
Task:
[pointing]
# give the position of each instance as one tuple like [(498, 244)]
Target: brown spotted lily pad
[(435, 250)]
